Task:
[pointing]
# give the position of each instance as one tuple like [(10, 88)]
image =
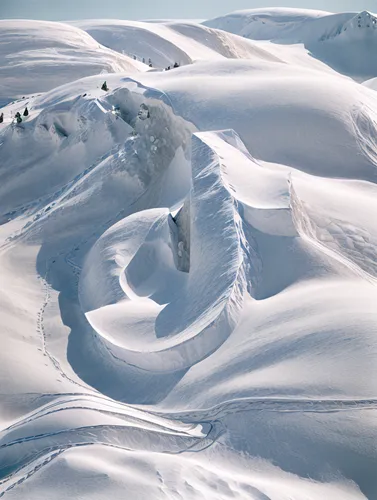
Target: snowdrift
[(193, 322)]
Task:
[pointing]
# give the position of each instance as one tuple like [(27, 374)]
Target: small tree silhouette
[(26, 112), (104, 86)]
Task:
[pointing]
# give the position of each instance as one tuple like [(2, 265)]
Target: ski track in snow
[(212, 415), (42, 332)]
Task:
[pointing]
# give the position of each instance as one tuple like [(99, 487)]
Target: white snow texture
[(188, 258)]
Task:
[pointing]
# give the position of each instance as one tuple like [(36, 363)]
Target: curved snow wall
[(133, 265)]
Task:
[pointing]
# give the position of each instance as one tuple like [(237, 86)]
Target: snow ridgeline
[(132, 268), (37, 56), (168, 42), (345, 41)]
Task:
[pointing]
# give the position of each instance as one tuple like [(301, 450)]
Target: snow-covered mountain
[(188, 259), (346, 41)]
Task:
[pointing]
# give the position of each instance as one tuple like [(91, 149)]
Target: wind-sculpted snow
[(355, 247), (184, 321), (188, 260), (262, 192)]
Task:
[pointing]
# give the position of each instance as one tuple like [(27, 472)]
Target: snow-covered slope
[(371, 84), (36, 56), (347, 41), (267, 23), (170, 42), (188, 275)]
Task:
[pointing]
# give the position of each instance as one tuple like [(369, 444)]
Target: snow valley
[(188, 258)]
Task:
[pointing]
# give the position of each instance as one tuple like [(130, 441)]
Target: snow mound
[(36, 56)]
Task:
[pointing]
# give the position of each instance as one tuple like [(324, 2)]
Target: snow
[(372, 83), (36, 56), (265, 23), (344, 41), (189, 259), (168, 42)]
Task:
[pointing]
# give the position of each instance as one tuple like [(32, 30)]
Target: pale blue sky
[(143, 9)]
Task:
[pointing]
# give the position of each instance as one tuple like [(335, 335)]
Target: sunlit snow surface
[(188, 261)]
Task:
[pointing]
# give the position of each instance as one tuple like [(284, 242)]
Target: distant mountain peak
[(364, 20)]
